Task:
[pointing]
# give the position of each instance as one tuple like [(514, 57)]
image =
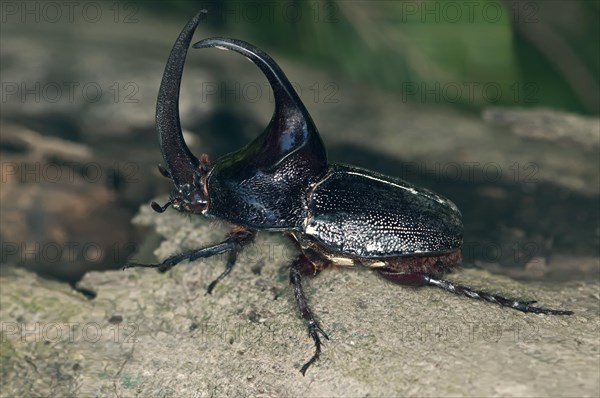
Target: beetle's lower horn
[(181, 163)]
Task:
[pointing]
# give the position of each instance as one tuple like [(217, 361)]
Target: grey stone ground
[(151, 334)]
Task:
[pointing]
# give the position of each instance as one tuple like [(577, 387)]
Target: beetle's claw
[(313, 332), (314, 357), (525, 307), (211, 286), (318, 329), (164, 267), (172, 261)]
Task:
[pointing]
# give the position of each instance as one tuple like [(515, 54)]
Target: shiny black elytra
[(334, 214)]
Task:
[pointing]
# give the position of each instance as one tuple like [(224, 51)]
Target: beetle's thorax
[(244, 189)]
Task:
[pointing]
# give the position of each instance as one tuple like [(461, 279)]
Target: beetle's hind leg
[(234, 243), (524, 306), (424, 279), (300, 265)]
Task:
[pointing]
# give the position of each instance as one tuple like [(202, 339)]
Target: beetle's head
[(188, 198), (291, 137), (187, 172)]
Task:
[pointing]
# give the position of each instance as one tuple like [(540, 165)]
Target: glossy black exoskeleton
[(334, 214)]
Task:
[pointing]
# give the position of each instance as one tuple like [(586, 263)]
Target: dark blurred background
[(551, 45), (491, 103)]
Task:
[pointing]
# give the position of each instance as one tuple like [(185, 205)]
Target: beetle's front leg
[(299, 266), (236, 240), (241, 241), (423, 279)]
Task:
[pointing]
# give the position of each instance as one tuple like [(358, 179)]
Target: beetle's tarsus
[(313, 332), (422, 279), (228, 267), (524, 306), (298, 266)]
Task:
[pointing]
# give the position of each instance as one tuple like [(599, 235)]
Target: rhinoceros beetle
[(334, 214)]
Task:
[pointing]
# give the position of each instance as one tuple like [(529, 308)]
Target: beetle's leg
[(236, 239), (300, 264), (524, 306), (242, 237), (228, 267), (422, 279)]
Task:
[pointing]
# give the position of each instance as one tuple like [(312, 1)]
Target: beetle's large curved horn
[(285, 95), (291, 126), (180, 161)]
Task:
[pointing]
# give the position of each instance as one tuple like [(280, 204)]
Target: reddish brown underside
[(436, 265), (433, 264)]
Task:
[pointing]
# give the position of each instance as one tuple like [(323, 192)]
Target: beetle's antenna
[(179, 160)]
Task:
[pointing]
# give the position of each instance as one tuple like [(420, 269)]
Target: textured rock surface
[(152, 334)]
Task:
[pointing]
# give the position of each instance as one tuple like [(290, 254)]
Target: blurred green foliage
[(472, 53)]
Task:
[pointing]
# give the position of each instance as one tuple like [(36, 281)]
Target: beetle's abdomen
[(366, 214)]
